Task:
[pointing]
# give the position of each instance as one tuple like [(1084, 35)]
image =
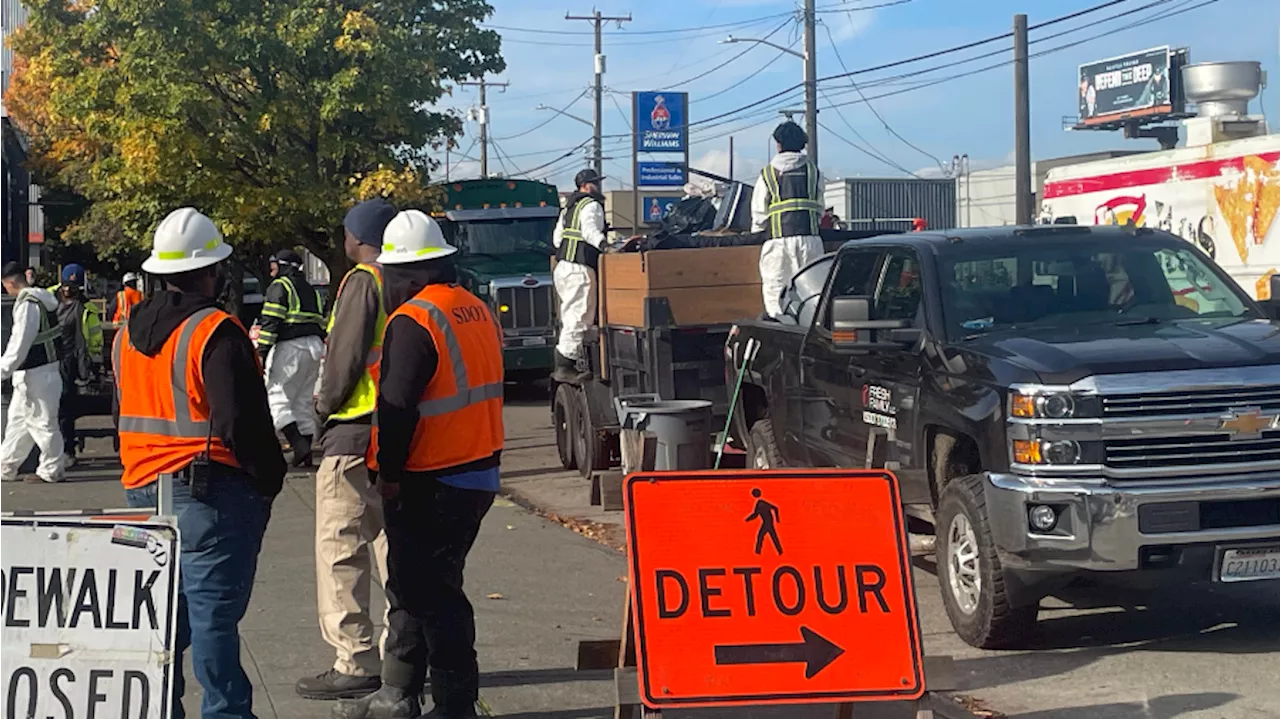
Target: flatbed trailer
[(663, 319)]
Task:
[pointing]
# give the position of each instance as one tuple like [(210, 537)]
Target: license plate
[(1246, 564), (535, 342)]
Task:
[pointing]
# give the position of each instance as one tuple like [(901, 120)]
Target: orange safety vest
[(460, 413), (164, 407), (125, 300)]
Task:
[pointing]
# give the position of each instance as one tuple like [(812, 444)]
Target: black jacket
[(275, 324), (233, 381)]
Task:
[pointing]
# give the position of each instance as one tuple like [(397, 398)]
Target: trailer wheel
[(593, 451), (763, 449), (562, 412), (970, 574)]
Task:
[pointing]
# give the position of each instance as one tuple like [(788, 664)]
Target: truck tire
[(562, 411), (970, 574), (764, 453)]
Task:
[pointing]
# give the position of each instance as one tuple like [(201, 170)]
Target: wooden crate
[(701, 286)]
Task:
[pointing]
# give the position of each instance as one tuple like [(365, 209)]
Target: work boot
[(454, 695), (299, 444), (387, 703), (565, 371), (333, 684)]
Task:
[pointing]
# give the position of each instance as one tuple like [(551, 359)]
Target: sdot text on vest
[(786, 590)]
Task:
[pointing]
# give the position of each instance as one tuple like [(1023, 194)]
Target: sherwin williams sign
[(661, 121)]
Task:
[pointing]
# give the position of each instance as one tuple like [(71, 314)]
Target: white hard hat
[(130, 277), (412, 236), (185, 240)]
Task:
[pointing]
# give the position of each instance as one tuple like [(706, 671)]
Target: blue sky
[(550, 62)]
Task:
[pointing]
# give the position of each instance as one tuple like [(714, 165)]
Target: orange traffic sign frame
[(771, 587)]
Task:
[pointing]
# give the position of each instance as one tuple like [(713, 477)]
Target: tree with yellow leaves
[(271, 116)]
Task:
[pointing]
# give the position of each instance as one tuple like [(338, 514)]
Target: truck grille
[(1214, 401), (528, 308), (1210, 449)]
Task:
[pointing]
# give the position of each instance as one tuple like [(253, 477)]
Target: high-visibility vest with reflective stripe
[(294, 313), (364, 398), (460, 413), (125, 300), (573, 246), (44, 348), (794, 206), (164, 408)]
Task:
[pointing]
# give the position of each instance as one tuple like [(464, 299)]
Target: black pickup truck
[(1059, 399)]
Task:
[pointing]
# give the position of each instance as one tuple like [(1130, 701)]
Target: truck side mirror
[(852, 326)]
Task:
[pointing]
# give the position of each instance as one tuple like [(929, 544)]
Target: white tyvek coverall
[(576, 284), (33, 409), (292, 370), (782, 257)]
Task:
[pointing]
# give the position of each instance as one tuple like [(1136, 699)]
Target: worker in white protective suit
[(787, 204), (31, 361), (579, 239), (291, 344)]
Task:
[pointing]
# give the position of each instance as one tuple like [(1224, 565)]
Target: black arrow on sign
[(815, 650)]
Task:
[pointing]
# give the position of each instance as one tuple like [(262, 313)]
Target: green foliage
[(271, 116)]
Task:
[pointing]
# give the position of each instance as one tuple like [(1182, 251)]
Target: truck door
[(891, 393), (830, 380)]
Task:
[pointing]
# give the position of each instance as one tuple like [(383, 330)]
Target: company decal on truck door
[(878, 409)]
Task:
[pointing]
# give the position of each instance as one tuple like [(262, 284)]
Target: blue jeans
[(220, 539)]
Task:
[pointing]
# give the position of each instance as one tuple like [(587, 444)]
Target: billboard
[(1132, 85), (661, 174), (655, 209), (661, 121)]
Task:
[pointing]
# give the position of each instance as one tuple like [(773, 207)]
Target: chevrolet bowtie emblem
[(1247, 423)]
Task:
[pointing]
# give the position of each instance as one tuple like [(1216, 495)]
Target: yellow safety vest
[(364, 398)]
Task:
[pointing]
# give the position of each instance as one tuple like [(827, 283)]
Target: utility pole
[(731, 157), (597, 115), (811, 79), (1023, 197), (484, 120)]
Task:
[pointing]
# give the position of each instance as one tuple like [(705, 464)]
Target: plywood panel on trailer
[(624, 270), (703, 267), (689, 305)]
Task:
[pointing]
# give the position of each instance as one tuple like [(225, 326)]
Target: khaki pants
[(348, 524)]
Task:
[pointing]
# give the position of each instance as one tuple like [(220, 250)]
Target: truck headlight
[(1046, 452), (1028, 403)]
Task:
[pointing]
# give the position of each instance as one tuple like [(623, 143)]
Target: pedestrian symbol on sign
[(769, 516)]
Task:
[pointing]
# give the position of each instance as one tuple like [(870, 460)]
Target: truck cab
[(503, 229), (1058, 400)]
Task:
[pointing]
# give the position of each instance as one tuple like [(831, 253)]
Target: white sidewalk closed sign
[(90, 611)]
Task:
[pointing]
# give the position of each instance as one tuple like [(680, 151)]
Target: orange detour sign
[(771, 587)]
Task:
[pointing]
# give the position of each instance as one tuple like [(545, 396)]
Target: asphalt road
[(1102, 652)]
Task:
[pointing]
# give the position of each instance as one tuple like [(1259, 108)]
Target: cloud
[(745, 169), (848, 25)]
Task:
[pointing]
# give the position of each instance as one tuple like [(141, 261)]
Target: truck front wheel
[(764, 453), (970, 574)]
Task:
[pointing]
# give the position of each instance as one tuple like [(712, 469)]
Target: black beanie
[(368, 219), (790, 137)]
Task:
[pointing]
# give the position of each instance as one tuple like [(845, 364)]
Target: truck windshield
[(501, 237), (1047, 284)]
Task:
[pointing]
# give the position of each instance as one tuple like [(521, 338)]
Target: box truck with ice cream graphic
[(1220, 191)]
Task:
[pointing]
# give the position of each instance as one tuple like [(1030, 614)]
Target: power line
[(545, 122), (668, 31), (869, 150), (579, 146), (450, 169), (614, 98), (831, 39)]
